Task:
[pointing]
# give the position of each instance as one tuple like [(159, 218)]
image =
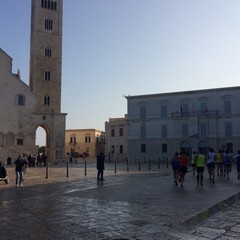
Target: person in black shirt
[(20, 166)]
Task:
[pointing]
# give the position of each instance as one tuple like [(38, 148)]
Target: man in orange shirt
[(183, 166)]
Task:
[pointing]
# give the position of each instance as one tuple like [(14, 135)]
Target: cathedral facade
[(24, 108)]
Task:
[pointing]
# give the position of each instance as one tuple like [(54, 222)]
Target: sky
[(115, 48)]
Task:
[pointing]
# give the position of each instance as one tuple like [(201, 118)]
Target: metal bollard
[(85, 164), (47, 170), (67, 170), (115, 170), (127, 166), (149, 164), (139, 167), (158, 163)]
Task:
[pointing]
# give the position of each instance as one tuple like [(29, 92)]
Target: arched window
[(20, 100), (46, 100), (47, 75), (48, 24), (48, 52), (49, 4)]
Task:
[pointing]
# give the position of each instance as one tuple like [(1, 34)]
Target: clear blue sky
[(113, 48)]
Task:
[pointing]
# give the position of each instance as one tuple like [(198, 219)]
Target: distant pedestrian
[(211, 157), (237, 158), (19, 169), (39, 160), (183, 167), (100, 166), (175, 167), (200, 163), (219, 162), (193, 162), (227, 163)]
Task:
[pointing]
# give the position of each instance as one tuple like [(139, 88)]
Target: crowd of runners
[(220, 163)]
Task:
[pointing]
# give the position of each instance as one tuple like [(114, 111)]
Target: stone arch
[(187, 147), (203, 146)]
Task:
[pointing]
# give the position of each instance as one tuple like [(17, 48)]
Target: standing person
[(211, 156), (19, 169), (39, 160), (238, 164), (227, 162), (219, 162), (193, 162), (183, 167), (200, 162), (100, 166), (175, 167), (44, 159)]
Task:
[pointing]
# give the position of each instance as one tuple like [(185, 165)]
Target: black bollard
[(158, 163), (115, 170), (149, 164), (46, 170), (127, 166), (67, 170), (85, 163), (139, 167)]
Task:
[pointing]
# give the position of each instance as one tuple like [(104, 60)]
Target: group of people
[(222, 161), (21, 164)]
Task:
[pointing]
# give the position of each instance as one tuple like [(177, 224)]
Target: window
[(120, 148), (112, 132), (20, 100), (19, 141), (87, 139), (185, 130), (203, 129), (120, 132), (164, 131), (227, 107), (143, 148), (184, 108), (203, 108), (47, 76), (48, 52), (164, 148), (52, 5), (143, 132), (228, 129), (46, 100), (113, 149), (142, 113), (48, 24), (164, 111), (73, 139)]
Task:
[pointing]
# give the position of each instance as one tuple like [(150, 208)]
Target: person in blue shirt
[(175, 167)]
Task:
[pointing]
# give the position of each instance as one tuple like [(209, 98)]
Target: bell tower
[(46, 54), (46, 73)]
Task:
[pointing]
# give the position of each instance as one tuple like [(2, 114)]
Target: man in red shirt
[(183, 166)]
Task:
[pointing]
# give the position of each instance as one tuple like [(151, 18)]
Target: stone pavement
[(126, 205)]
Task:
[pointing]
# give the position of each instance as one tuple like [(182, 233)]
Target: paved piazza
[(126, 205)]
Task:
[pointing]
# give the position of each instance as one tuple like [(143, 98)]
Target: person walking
[(238, 164), (227, 163), (20, 163), (183, 167), (219, 162), (200, 162), (100, 166), (211, 156), (175, 167)]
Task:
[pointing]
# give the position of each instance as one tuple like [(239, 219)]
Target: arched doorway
[(42, 139), (203, 147), (186, 146)]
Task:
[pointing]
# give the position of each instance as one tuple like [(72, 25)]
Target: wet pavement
[(126, 205)]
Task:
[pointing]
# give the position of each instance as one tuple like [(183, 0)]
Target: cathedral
[(24, 108)]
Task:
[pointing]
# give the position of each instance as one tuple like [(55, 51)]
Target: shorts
[(200, 169), (211, 165)]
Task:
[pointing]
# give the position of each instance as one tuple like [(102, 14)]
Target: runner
[(175, 167), (200, 167), (211, 156), (219, 162), (183, 166)]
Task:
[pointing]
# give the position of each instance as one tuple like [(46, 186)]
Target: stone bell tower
[(45, 72)]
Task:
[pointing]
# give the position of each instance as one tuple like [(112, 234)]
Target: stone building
[(84, 141), (160, 124), (25, 108), (116, 139)]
